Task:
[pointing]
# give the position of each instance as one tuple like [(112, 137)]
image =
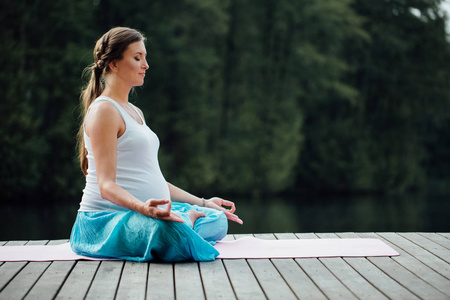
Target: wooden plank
[(106, 280), (379, 279), (393, 270), (268, 276), (439, 239), (11, 269), (77, 284), (327, 235), (54, 276), (439, 251), (406, 278), (215, 280), (20, 285), (348, 235), (264, 236), (357, 284), (444, 234), (241, 235), (299, 282), (160, 283), (270, 280), (133, 281), (244, 283), (295, 277), (37, 242), (51, 280), (322, 277), (18, 288), (416, 267), (418, 252), (348, 276), (16, 243), (306, 235), (58, 242), (285, 236), (409, 280), (188, 282)]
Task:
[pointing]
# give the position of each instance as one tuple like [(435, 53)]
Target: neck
[(116, 90)]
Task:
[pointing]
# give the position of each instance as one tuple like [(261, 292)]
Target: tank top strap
[(119, 109), (138, 113)]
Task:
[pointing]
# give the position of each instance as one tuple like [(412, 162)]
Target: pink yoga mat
[(41, 253), (250, 247), (247, 247)]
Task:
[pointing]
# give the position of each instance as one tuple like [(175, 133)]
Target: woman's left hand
[(218, 203)]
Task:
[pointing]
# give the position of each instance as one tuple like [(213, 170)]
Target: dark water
[(416, 212), (347, 214)]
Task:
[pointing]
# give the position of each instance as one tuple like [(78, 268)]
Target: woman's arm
[(104, 125), (179, 195)]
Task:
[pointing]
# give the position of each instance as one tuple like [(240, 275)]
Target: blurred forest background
[(250, 98)]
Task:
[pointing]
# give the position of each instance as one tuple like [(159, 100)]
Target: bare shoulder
[(103, 107), (104, 115)]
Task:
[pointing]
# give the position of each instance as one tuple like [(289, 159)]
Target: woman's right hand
[(151, 209)]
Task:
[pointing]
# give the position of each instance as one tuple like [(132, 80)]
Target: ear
[(113, 66)]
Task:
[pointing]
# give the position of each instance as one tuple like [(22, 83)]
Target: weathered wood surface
[(422, 271)]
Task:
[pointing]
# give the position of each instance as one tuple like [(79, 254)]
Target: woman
[(126, 210)]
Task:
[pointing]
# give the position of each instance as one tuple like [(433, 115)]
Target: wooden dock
[(422, 271)]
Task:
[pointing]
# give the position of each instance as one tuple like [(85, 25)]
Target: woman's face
[(131, 68)]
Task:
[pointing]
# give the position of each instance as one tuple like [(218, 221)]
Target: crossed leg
[(194, 215)]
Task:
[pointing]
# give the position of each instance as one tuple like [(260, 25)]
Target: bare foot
[(194, 215)]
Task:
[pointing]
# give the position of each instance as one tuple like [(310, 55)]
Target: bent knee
[(212, 228)]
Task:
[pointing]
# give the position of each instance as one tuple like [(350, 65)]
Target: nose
[(145, 65)]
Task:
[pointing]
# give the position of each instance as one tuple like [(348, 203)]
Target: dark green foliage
[(42, 57), (248, 97), (403, 79)]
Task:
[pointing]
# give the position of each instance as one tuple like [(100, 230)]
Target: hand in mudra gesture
[(218, 204), (150, 209)]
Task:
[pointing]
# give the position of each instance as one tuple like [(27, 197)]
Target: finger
[(169, 206), (174, 217), (156, 202), (239, 221), (161, 214), (229, 203), (234, 218), (215, 206), (166, 209), (226, 211)]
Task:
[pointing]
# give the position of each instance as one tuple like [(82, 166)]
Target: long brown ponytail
[(109, 47)]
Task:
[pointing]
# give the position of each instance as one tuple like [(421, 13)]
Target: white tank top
[(138, 170)]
